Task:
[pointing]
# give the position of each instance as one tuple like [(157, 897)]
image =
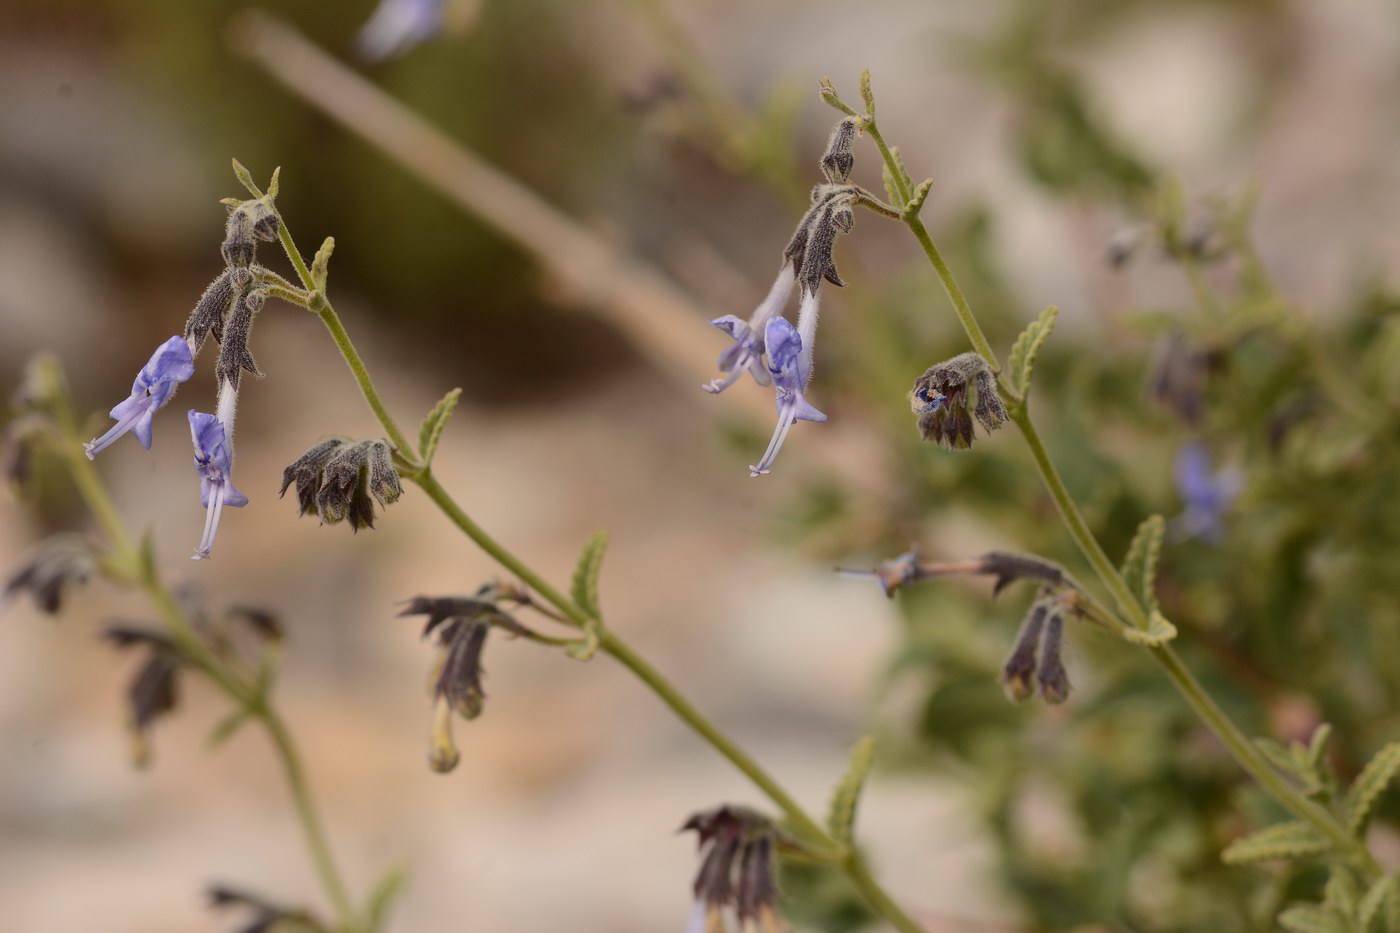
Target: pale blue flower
[(398, 25), (170, 365), (790, 365), (747, 352), (213, 461), (1207, 494)]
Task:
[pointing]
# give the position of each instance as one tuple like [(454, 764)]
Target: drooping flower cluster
[(52, 568), (737, 873), (462, 624), (153, 691), (949, 395), (225, 311), (767, 345), (1035, 666), (336, 479)]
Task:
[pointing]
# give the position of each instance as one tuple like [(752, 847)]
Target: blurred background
[(680, 137)]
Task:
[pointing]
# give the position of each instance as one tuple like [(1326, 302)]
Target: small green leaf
[(226, 728), (245, 178), (583, 649), (1021, 364), (1278, 756), (1312, 918), (916, 202), (1370, 784), (1159, 632), (1374, 902), (320, 264), (1341, 893), (1317, 745), (382, 898), (1283, 840), (1140, 566), (842, 818), (590, 564), (431, 430)]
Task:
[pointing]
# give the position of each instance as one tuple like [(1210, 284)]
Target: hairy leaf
[(1022, 361), (1366, 792), (1140, 566), (1283, 840), (1312, 918), (431, 431), (1159, 631), (842, 818), (590, 564)]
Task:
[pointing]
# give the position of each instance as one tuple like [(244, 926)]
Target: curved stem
[(1200, 701), (817, 840), (196, 651), (323, 309), (305, 804)]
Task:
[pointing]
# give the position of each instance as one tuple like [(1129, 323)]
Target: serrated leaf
[(431, 430), (382, 898), (1312, 918), (1366, 790), (920, 195), (1283, 840), (1140, 566), (1317, 745), (1341, 893), (590, 564), (841, 819), (1159, 631), (226, 728), (320, 264), (1279, 756), (1374, 902), (1021, 364)]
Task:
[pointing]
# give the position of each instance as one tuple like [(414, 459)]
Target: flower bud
[(152, 692), (838, 160), (340, 479), (234, 356), (940, 398), (1051, 674), (211, 309), (1020, 666)]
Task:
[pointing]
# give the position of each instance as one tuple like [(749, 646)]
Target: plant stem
[(305, 804), (1200, 701), (817, 840), (323, 309), (196, 651)]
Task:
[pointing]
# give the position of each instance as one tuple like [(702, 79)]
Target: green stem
[(817, 840), (875, 895), (195, 650), (305, 804), (323, 309), (1200, 701), (707, 730)]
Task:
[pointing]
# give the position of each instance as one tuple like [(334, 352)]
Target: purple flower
[(748, 348), (790, 364), (213, 460), (169, 366), (1206, 494), (398, 25)]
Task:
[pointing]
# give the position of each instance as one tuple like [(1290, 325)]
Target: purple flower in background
[(1206, 494), (790, 364), (169, 366), (398, 25), (213, 460), (748, 348)]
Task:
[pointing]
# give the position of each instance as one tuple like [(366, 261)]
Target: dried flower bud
[(305, 472), (351, 476), (462, 624), (339, 479), (262, 622), (809, 250), (1051, 674), (152, 692), (264, 917), (248, 221), (837, 161), (737, 872), (210, 311), (1180, 375), (1008, 568), (940, 399), (234, 356), (1020, 666), (51, 569)]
